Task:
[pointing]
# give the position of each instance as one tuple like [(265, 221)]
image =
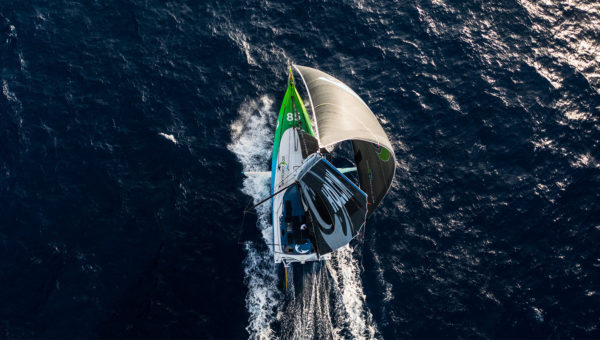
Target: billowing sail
[(340, 115), (336, 207)]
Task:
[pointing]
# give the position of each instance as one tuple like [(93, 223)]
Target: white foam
[(387, 286), (331, 302), (169, 137), (585, 160), (15, 103), (345, 271), (538, 313), (309, 314), (251, 142), (10, 96), (263, 296)]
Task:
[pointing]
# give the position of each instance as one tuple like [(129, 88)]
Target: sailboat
[(316, 208)]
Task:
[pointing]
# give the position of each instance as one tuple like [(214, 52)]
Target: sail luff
[(312, 106)]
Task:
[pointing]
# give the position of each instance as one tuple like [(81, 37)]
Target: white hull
[(289, 160)]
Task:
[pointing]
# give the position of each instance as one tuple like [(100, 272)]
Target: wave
[(14, 103), (12, 43), (345, 271), (168, 137), (564, 38), (251, 142)]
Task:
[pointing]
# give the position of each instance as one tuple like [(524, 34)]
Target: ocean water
[(125, 125)]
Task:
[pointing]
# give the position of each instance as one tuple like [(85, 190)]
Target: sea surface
[(125, 126)]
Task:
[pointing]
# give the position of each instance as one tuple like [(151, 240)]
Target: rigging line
[(270, 196), (280, 123), (288, 175), (244, 214), (315, 237), (294, 109), (305, 150), (311, 224), (294, 123)]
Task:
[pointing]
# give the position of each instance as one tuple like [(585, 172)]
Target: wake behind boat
[(316, 208)]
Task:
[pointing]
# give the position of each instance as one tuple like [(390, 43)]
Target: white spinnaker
[(331, 302)]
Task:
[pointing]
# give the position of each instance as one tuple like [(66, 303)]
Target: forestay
[(337, 208), (340, 115)]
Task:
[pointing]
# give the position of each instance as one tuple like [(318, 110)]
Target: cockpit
[(296, 225)]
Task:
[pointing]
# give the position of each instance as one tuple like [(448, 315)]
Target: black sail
[(308, 143), (337, 208), (375, 167)]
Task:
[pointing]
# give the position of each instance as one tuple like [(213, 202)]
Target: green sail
[(291, 114)]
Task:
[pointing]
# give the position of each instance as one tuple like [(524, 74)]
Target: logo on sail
[(336, 194)]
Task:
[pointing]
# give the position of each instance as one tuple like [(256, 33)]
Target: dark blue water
[(124, 126)]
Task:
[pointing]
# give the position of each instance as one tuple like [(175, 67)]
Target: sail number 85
[(290, 116)]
